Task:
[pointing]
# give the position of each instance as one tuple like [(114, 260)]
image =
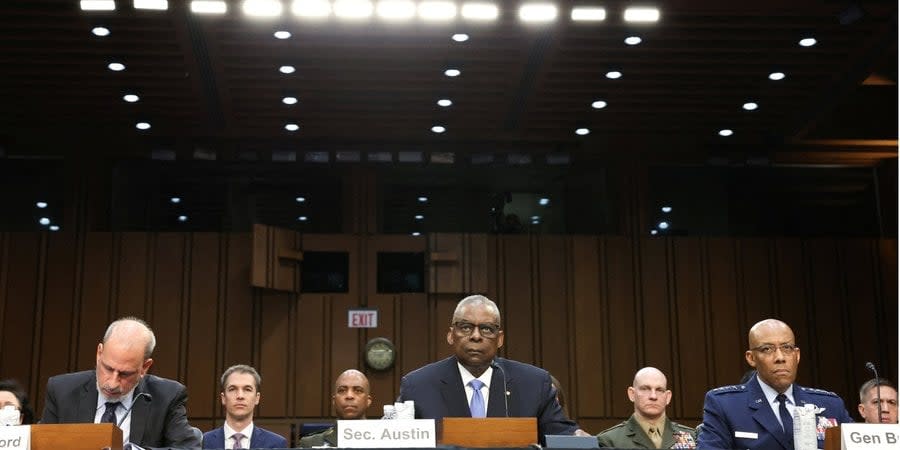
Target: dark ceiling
[(213, 81)]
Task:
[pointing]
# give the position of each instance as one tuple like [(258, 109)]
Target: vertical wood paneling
[(383, 384), (887, 262), (96, 295), (860, 287), (131, 296), (516, 305), (827, 328), (311, 380), (794, 306), (203, 301), (690, 322), (345, 346), (167, 300), (755, 279), (587, 328), (415, 331), (553, 311), (659, 339), (58, 304), (274, 352), (442, 314), (725, 332), (621, 321), (21, 296), (238, 305)]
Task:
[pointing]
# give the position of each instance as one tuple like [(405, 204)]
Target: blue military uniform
[(739, 416)]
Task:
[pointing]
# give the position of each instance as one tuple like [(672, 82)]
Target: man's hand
[(580, 432)]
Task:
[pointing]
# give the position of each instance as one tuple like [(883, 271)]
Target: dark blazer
[(744, 408), (438, 392), (261, 438), (160, 421)]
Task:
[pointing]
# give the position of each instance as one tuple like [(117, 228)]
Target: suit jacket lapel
[(140, 410), (87, 401), (637, 435), (452, 390), (762, 413)]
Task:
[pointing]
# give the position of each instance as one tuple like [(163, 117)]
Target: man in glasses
[(474, 382), (758, 413)]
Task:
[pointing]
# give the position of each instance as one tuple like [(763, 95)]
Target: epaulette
[(619, 425), (729, 389), (678, 426), (817, 391)]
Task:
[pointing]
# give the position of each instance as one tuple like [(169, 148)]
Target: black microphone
[(505, 388), (134, 402), (871, 367)]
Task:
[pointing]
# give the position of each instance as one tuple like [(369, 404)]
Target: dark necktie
[(477, 405), (109, 415), (786, 421)]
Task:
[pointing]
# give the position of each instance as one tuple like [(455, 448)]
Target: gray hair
[(868, 385), (133, 321), (476, 300), (240, 368)]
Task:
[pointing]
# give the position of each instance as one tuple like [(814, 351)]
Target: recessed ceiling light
[(289, 100), (262, 8), (311, 8), (287, 69), (598, 104), (175, 200), (100, 31), (613, 74), (725, 132), (452, 72), (419, 217), (116, 66), (750, 106), (641, 15), (142, 126), (588, 14), (41, 205), (209, 7), (537, 12), (302, 218), (544, 201), (160, 5), (396, 9), (54, 227), (300, 199), (44, 221), (445, 102), (654, 232), (291, 127), (775, 76), (633, 40), (437, 10), (666, 209), (663, 225), (416, 233), (582, 131), (807, 42), (98, 5), (282, 34), (480, 11), (130, 98), (422, 199), (353, 9), (182, 218), (438, 129), (460, 37)]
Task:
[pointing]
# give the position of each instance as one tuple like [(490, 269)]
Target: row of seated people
[(473, 382)]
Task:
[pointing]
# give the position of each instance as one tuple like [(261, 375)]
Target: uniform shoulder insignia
[(679, 427), (728, 389), (614, 427), (818, 391)]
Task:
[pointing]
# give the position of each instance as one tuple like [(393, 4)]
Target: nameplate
[(869, 436), (16, 437), (399, 433)]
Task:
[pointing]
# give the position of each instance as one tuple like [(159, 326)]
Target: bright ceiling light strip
[(396, 9), (98, 5), (480, 11), (262, 8), (437, 10), (353, 9), (311, 8), (537, 12), (160, 5), (588, 14), (209, 7), (641, 15)]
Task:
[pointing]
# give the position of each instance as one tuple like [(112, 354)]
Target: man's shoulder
[(154, 382), (728, 391), (270, 435), (72, 377), (817, 392), (429, 370), (615, 429), (679, 428)]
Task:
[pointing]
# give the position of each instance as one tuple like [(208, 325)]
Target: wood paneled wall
[(590, 309)]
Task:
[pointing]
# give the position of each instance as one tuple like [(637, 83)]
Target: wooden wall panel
[(57, 305), (311, 380), (274, 352), (887, 325), (167, 302), (203, 293), (655, 305), (552, 313), (96, 273), (724, 316), (416, 331), (755, 278), (828, 348), (690, 313), (587, 326), (516, 298), (622, 323), (384, 384), (860, 288), (237, 306), (793, 292), (17, 358), (132, 284)]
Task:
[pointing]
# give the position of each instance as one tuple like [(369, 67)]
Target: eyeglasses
[(486, 330), (769, 349)]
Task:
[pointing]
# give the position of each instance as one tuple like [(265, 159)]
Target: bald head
[(123, 357), (352, 395), (129, 332), (650, 374), (773, 352), (649, 393), (763, 329)]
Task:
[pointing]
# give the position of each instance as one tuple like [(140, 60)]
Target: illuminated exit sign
[(362, 318)]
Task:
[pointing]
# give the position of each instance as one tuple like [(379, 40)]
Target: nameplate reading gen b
[(400, 433), (870, 436)]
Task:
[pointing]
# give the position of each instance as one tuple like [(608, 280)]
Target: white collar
[(467, 376), (771, 393)]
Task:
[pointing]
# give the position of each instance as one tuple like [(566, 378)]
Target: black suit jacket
[(160, 421), (438, 392)]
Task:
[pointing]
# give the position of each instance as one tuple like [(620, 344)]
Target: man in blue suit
[(240, 395), (475, 383), (757, 414)]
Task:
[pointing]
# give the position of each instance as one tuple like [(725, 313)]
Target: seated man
[(868, 401), (240, 395), (648, 427), (350, 401), (757, 414)]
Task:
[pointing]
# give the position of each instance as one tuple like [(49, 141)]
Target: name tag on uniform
[(746, 435)]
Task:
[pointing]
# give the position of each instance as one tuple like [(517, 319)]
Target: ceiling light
[(100, 31), (142, 126), (775, 76), (460, 37), (311, 8), (116, 67), (588, 14), (289, 100), (750, 106), (282, 34), (582, 131), (130, 98), (419, 217), (353, 9), (666, 209), (396, 9), (537, 12), (182, 218), (480, 11), (422, 199), (54, 227), (175, 200), (641, 15), (452, 72), (633, 40), (807, 42), (544, 201), (291, 127), (287, 69), (41, 205), (44, 221), (416, 233), (614, 75), (98, 5), (432, 10), (663, 225), (725, 132), (445, 102), (209, 7), (161, 5), (302, 218), (599, 104), (654, 232), (262, 8), (300, 199), (438, 129)]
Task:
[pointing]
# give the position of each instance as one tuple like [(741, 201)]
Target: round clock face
[(380, 354)]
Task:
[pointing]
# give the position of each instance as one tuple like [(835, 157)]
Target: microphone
[(133, 402), (505, 388), (871, 367)]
